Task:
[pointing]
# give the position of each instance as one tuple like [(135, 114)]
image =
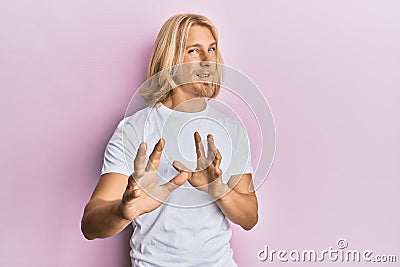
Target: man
[(178, 211)]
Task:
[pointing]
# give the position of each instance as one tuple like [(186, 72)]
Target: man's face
[(199, 62)]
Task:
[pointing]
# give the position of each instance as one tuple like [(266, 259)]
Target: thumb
[(180, 179), (180, 167), (185, 173), (131, 193), (177, 181)]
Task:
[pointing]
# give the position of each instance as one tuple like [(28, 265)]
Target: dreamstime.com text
[(341, 254)]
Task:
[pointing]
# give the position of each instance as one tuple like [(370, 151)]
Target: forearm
[(102, 219), (241, 209)]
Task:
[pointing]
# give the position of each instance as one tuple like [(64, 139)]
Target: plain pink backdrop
[(329, 69)]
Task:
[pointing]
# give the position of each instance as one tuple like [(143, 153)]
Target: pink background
[(329, 69)]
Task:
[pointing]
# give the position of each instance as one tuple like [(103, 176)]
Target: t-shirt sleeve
[(121, 150), (241, 154)]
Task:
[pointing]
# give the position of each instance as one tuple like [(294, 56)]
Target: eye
[(211, 49), (193, 51)]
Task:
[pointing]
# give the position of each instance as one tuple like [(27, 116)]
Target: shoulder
[(138, 117), (132, 125)]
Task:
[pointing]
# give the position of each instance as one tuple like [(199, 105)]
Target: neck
[(185, 103)]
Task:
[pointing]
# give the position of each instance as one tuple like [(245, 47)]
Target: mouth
[(203, 76)]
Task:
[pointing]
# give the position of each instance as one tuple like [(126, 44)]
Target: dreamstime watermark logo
[(341, 254)]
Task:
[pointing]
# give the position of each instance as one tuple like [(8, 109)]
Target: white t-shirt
[(188, 229)]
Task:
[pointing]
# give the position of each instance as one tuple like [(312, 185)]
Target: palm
[(207, 172), (143, 193), (153, 193)]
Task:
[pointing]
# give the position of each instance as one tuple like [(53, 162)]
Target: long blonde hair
[(169, 51)]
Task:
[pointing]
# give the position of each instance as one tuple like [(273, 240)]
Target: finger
[(132, 191), (177, 181), (135, 193), (140, 158), (180, 167), (199, 145), (180, 179), (217, 163), (131, 183), (217, 159), (211, 148), (154, 159), (131, 195)]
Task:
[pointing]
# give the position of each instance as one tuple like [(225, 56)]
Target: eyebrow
[(199, 45)]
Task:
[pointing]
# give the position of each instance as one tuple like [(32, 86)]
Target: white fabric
[(189, 229)]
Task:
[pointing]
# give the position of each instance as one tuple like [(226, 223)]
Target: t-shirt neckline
[(172, 112)]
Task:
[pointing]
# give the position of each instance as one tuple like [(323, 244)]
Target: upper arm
[(118, 163)]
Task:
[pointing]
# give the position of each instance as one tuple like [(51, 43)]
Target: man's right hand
[(143, 193)]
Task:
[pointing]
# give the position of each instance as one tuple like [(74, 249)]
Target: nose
[(205, 63), (205, 60)]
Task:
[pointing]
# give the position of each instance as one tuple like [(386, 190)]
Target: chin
[(204, 89)]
